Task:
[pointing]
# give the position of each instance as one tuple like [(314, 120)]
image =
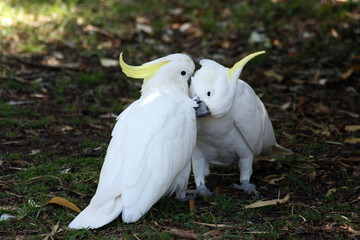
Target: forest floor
[(61, 89)]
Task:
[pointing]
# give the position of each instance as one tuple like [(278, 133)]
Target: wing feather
[(148, 149), (252, 120)]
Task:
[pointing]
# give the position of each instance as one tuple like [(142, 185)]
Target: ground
[(61, 89)]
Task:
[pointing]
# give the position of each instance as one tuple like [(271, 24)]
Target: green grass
[(69, 167)]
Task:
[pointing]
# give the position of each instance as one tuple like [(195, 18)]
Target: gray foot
[(247, 187), (187, 198), (202, 190)]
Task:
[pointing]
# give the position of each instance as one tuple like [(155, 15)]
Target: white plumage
[(149, 154), (239, 127)]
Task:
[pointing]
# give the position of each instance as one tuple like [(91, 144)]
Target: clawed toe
[(247, 187), (202, 190)]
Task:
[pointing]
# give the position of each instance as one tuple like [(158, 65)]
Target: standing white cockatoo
[(149, 155), (239, 127)]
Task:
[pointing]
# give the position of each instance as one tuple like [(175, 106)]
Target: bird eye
[(210, 93), (183, 73)]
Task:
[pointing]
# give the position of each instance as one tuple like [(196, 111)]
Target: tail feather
[(94, 217), (279, 151)]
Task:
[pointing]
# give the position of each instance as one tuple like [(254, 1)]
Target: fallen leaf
[(184, 234), (354, 233), (262, 203), (275, 75), (352, 128), (140, 27), (286, 105), (212, 233), (347, 74), (352, 140), (191, 205), (312, 175), (63, 202), (52, 233), (107, 62), (330, 191), (272, 179)]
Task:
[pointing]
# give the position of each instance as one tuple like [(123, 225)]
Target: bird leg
[(247, 187), (245, 165)]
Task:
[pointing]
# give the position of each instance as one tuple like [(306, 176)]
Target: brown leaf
[(212, 233), (262, 203), (354, 233), (272, 179), (330, 191), (352, 140), (352, 128), (184, 234), (63, 202), (52, 233), (347, 74)]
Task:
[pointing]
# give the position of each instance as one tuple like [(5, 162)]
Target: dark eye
[(208, 93), (183, 73)]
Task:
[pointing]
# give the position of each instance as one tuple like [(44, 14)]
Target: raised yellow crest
[(144, 71), (242, 62)]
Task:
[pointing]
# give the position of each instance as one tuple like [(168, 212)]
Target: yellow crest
[(242, 62), (143, 71)]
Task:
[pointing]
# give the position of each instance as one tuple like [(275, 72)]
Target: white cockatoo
[(149, 155), (239, 127)]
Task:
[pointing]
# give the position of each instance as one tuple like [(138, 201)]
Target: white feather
[(149, 153), (239, 127)]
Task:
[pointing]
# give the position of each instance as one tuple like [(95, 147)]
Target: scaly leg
[(200, 170), (245, 165)]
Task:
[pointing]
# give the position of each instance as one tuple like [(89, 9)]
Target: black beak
[(201, 110), (189, 81)]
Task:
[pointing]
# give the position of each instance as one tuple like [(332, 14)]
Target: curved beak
[(201, 110)]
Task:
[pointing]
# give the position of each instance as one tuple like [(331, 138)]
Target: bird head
[(216, 85), (172, 73)]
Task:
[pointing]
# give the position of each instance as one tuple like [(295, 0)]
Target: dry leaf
[(352, 140), (354, 233), (52, 233), (330, 191), (192, 205), (184, 234), (272, 179), (262, 203), (212, 233), (63, 202), (347, 74), (107, 62), (352, 128), (275, 75)]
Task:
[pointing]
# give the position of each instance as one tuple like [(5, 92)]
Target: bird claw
[(190, 194), (202, 190), (247, 187)]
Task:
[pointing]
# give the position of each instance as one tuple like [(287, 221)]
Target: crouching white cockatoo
[(239, 127), (149, 155)]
